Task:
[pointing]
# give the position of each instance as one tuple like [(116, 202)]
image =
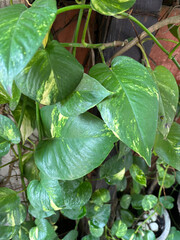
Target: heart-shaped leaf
[(119, 229), (51, 75), (87, 94), (8, 200), (22, 32), (149, 201), (112, 7), (132, 112), (169, 95), (80, 144), (168, 149), (43, 231), (137, 174)]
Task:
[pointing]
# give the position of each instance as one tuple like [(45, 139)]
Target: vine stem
[(73, 7), (38, 121), (83, 40), (144, 54), (8, 163), (174, 49), (163, 180)]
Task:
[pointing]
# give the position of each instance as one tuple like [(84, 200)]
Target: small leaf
[(90, 237), (168, 149), (8, 200), (125, 201), (22, 32), (100, 215), (169, 179), (167, 202), (96, 232), (169, 95), (174, 29), (4, 147), (88, 93), (8, 130), (74, 214), (149, 201), (72, 235), (174, 234), (130, 234), (101, 196), (51, 75), (132, 112), (43, 231), (127, 217), (137, 201), (119, 229), (112, 7), (137, 174), (149, 235)]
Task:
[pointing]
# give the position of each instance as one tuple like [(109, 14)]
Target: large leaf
[(112, 7), (7, 232), (87, 94), (43, 231), (133, 110), (22, 32), (8, 200), (169, 95), (168, 149), (80, 144), (51, 75)]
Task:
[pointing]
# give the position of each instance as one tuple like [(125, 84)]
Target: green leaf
[(125, 201), (101, 215), (136, 188), (8, 130), (90, 237), (88, 93), (29, 119), (168, 149), (74, 214), (51, 75), (4, 147), (132, 112), (38, 213), (167, 202), (76, 193), (141, 164), (149, 201), (96, 232), (22, 32), (72, 235), (168, 180), (119, 229), (137, 201), (14, 217), (137, 174), (127, 217), (43, 231), (80, 144), (30, 170), (112, 7), (4, 97), (101, 196), (8, 200), (130, 234), (149, 235), (115, 164), (169, 95), (178, 177), (7, 232), (174, 234), (174, 29)]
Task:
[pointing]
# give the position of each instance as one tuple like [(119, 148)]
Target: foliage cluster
[(137, 107)]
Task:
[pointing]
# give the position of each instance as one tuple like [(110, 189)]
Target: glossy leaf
[(119, 229), (23, 30), (149, 201), (79, 145), (125, 201), (39, 213), (30, 169), (51, 75), (112, 7), (74, 214), (7, 232), (96, 232), (101, 215), (72, 235), (132, 112), (130, 234), (127, 217), (88, 93), (167, 202), (43, 231), (4, 147), (168, 149), (8, 130), (101, 196), (14, 217), (76, 193), (169, 95), (149, 235), (137, 174), (174, 234), (8, 200)]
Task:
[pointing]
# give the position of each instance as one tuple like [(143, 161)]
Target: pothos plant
[(45, 87)]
